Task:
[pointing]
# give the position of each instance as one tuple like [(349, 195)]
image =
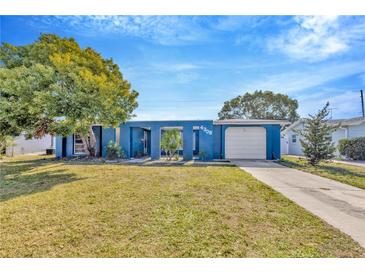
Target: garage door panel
[(245, 143)]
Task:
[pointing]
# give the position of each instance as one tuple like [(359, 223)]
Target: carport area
[(340, 205)]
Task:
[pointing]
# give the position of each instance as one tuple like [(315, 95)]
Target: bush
[(202, 155), (113, 151), (5, 141), (353, 148), (171, 142)]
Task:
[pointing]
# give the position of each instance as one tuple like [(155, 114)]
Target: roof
[(251, 122), (343, 122), (348, 122)]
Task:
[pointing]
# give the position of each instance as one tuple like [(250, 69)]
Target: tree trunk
[(90, 142)]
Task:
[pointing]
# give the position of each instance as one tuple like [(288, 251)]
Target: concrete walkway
[(340, 205)]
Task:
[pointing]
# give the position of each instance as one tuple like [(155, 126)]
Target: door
[(245, 143), (64, 146)]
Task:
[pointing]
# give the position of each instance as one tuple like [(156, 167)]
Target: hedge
[(353, 148)]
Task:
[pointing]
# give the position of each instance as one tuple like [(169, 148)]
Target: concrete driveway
[(340, 205)]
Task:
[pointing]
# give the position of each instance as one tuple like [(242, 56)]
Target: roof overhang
[(352, 123), (251, 122)]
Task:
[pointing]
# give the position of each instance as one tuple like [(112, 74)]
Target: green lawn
[(351, 175), (68, 209)]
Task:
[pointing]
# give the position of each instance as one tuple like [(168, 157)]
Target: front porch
[(143, 139)]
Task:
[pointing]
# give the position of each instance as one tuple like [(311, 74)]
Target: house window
[(79, 147), (294, 138)]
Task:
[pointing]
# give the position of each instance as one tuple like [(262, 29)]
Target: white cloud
[(175, 67), (295, 81), (169, 110), (316, 38), (187, 77), (166, 30), (343, 104), (233, 23)]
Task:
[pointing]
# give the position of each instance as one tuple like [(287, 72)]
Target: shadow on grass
[(17, 179), (329, 169), (150, 163)]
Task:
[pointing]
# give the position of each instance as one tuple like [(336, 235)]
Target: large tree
[(260, 105), (55, 86)]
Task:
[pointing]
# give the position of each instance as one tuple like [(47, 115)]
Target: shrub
[(113, 151), (171, 141), (353, 148), (202, 155), (5, 141)]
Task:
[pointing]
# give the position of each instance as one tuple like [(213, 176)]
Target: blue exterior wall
[(137, 146), (69, 146), (188, 142), (205, 136), (211, 138), (59, 146), (217, 142), (275, 140), (108, 134)]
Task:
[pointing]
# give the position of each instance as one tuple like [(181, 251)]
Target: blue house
[(208, 139)]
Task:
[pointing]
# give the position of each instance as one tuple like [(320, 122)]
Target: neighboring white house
[(24, 146), (349, 128)]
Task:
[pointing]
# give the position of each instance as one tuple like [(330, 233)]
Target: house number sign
[(207, 131)]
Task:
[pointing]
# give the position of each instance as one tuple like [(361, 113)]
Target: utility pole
[(362, 103)]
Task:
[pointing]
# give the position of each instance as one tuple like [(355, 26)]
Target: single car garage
[(245, 143), (247, 139)]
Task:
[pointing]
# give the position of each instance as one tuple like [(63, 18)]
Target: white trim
[(251, 122), (73, 144), (117, 135), (343, 122), (293, 125), (172, 127)]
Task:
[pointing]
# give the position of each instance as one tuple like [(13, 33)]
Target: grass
[(68, 209), (351, 175)]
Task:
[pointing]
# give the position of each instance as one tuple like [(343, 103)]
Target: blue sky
[(185, 67)]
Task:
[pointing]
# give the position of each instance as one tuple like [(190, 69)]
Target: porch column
[(125, 139), (155, 143), (59, 146), (188, 142)]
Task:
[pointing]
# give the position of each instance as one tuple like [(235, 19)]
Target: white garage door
[(245, 143)]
